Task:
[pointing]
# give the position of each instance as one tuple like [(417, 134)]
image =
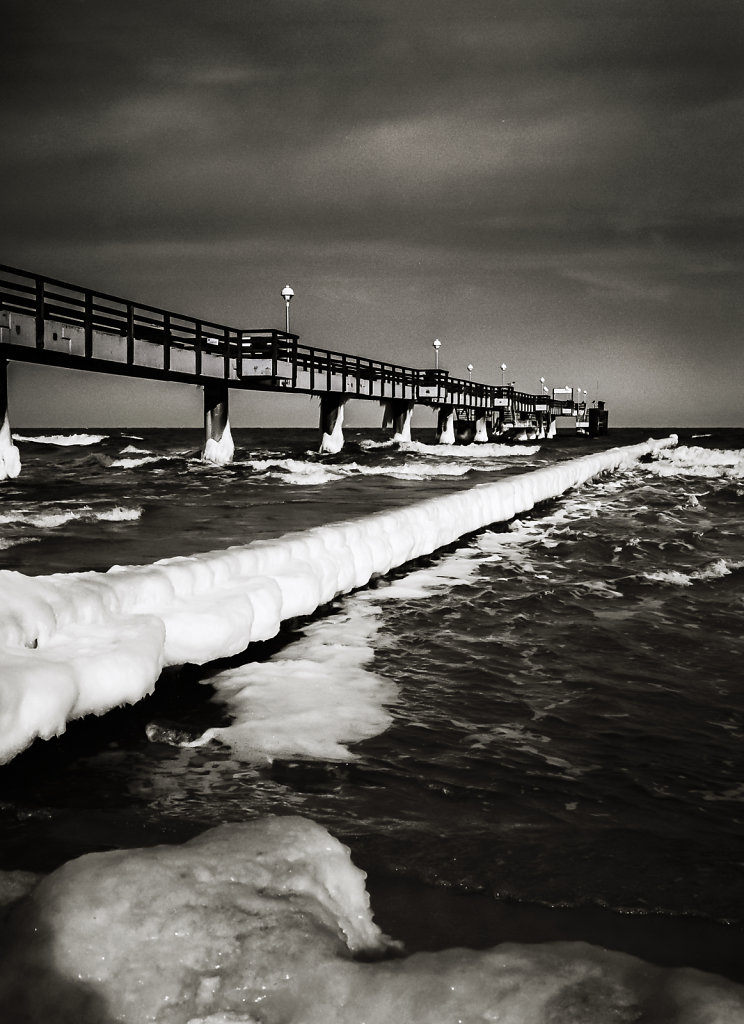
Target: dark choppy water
[(567, 694)]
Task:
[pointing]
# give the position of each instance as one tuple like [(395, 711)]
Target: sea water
[(530, 735)]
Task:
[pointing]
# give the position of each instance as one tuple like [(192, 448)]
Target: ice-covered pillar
[(446, 425), (550, 432), (398, 414), (218, 445), (331, 423), (481, 430), (10, 458)]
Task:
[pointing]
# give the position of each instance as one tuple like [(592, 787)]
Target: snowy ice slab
[(270, 921), (80, 643)]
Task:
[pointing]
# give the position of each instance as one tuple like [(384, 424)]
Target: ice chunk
[(269, 921)]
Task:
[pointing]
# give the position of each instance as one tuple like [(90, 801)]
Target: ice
[(269, 921), (219, 452), (80, 643), (10, 457)]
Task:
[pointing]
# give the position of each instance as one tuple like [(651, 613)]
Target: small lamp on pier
[(470, 371), (503, 368), (287, 294), (436, 345), (542, 384)]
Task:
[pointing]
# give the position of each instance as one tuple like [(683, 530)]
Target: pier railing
[(49, 321)]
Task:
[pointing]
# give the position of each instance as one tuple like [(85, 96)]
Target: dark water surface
[(567, 698)]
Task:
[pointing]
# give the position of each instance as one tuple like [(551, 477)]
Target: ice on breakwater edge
[(270, 921), (80, 643)]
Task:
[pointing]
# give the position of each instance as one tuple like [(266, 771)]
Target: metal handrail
[(48, 298)]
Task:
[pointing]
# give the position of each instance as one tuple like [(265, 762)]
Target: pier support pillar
[(10, 459), (331, 423), (446, 425), (218, 444), (398, 414), (481, 429)]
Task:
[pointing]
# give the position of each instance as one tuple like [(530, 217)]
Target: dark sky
[(553, 184)]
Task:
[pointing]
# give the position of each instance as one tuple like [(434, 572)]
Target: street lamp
[(436, 345), (287, 294), (470, 371), (503, 367)]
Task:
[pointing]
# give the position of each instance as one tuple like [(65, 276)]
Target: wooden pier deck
[(51, 322)]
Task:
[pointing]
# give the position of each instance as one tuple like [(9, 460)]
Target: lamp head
[(287, 293)]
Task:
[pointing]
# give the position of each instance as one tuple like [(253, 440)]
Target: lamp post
[(470, 371), (287, 294), (436, 345), (503, 368)]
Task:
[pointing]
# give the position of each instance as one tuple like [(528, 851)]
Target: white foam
[(85, 642), (270, 921), (320, 693), (310, 700), (132, 449), (62, 439)]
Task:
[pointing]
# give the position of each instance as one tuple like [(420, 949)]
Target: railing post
[(88, 325), (226, 367), (166, 341), (198, 340), (294, 362), (130, 333), (40, 312)]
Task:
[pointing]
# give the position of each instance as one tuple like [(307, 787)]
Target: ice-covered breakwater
[(81, 643)]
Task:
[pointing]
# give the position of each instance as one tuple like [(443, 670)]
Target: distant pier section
[(53, 323)]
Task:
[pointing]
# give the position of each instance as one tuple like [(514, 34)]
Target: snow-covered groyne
[(81, 643)]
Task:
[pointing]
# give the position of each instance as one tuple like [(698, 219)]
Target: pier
[(50, 322)]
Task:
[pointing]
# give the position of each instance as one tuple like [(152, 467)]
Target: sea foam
[(81, 643), (64, 440)]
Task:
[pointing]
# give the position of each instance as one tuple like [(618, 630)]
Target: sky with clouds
[(553, 184)]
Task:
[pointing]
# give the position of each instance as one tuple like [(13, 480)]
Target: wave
[(133, 463), (11, 542), (274, 916), (52, 518), (693, 461), (453, 451), (65, 440), (310, 473), (133, 450), (83, 643), (712, 571)]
